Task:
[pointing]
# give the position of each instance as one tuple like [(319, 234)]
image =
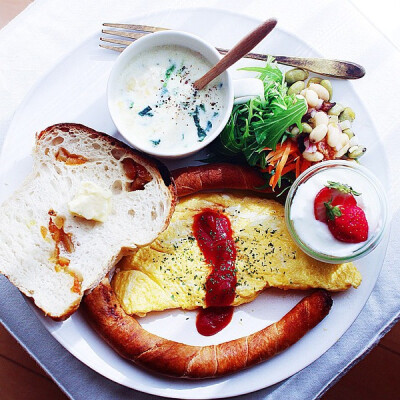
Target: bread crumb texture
[(54, 256)]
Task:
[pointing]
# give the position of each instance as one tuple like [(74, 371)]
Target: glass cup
[(304, 234)]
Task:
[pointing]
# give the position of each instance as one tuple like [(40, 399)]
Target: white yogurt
[(158, 104), (316, 234)]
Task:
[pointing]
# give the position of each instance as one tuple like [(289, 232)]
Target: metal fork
[(334, 68)]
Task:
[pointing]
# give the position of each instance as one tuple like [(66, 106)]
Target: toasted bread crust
[(157, 171), (148, 161), (125, 335), (67, 314), (57, 318)]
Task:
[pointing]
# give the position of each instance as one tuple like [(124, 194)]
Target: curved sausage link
[(131, 341), (190, 180)]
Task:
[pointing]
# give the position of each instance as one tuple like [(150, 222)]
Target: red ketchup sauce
[(214, 237)]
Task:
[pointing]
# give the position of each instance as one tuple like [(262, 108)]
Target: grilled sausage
[(190, 180), (124, 333)]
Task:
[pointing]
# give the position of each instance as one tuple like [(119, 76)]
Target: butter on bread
[(56, 257), (91, 202)]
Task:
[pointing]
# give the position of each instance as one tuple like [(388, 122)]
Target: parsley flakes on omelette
[(171, 272)]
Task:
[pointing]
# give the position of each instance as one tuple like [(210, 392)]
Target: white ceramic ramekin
[(241, 90)]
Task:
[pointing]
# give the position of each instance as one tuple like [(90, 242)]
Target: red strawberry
[(335, 194), (347, 223)]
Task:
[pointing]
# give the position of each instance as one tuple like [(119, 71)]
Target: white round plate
[(75, 91)]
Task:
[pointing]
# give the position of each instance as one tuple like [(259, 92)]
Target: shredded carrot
[(271, 181), (288, 168), (285, 158), (298, 166), (281, 163)]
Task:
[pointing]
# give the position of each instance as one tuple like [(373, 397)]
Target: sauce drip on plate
[(214, 237)]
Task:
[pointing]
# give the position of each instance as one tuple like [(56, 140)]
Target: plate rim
[(38, 314)]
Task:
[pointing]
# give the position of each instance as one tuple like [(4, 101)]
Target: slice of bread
[(54, 256)]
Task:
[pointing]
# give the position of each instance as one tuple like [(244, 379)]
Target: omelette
[(172, 271)]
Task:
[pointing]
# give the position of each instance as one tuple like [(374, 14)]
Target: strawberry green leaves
[(332, 211), (342, 187)]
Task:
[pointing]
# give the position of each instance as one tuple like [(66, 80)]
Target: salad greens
[(257, 126)]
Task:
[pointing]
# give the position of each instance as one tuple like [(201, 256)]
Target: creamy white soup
[(158, 104)]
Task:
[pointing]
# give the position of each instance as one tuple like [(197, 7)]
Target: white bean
[(320, 90), (318, 133), (333, 135), (342, 151), (321, 118), (319, 105), (312, 98), (313, 157), (343, 141)]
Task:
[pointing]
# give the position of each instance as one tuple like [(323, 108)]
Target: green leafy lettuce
[(262, 123)]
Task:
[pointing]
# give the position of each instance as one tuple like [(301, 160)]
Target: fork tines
[(131, 35), (139, 31), (133, 32), (142, 28), (115, 48), (125, 44)]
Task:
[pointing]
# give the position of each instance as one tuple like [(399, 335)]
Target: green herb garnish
[(342, 187), (262, 123), (146, 112), (168, 73)]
